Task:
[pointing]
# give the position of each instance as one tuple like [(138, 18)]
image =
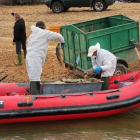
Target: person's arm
[(16, 32), (54, 36)]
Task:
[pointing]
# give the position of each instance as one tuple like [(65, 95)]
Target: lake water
[(119, 127)]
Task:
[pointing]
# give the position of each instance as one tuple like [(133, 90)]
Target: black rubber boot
[(105, 84), (35, 87)]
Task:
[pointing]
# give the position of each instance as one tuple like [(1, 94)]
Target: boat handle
[(24, 104), (111, 97), (28, 90)]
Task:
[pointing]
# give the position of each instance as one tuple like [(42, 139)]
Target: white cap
[(92, 49)]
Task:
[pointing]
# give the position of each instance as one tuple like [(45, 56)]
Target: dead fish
[(91, 80), (89, 73), (73, 80), (59, 54), (66, 91)]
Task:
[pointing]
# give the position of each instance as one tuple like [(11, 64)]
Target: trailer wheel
[(99, 5), (57, 7), (120, 69)]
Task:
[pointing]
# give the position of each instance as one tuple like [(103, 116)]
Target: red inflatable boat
[(16, 105)]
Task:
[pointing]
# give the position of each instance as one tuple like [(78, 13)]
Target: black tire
[(57, 7), (99, 5), (120, 69), (66, 8), (106, 7)]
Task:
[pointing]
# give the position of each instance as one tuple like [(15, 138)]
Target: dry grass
[(32, 14)]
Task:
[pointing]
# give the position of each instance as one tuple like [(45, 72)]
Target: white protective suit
[(106, 60), (37, 50)]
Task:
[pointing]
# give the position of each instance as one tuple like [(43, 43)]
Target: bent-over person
[(103, 62)]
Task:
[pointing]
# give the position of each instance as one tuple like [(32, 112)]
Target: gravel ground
[(51, 70)]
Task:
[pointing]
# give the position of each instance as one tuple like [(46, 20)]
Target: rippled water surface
[(119, 127)]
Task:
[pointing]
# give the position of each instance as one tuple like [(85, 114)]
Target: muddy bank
[(51, 70)]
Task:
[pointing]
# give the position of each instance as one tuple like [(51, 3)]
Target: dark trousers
[(105, 84), (18, 46), (35, 87)]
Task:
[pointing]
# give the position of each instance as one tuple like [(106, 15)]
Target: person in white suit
[(36, 53), (103, 62)]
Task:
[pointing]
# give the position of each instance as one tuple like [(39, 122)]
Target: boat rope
[(61, 95), (80, 94), (28, 99)]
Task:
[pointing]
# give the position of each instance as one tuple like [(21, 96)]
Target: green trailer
[(118, 34)]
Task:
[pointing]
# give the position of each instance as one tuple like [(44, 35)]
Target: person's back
[(38, 42), (20, 25), (104, 54)]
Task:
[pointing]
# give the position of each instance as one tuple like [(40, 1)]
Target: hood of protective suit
[(35, 29), (92, 49)]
